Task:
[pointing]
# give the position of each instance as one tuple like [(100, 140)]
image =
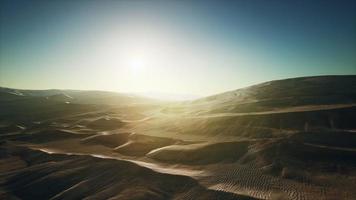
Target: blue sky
[(189, 47)]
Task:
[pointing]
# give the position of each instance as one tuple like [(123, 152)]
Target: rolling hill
[(284, 139)]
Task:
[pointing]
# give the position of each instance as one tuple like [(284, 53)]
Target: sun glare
[(137, 63), (138, 58)]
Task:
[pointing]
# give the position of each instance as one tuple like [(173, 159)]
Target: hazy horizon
[(178, 99), (198, 47), (169, 96)]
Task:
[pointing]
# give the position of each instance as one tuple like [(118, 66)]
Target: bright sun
[(137, 63), (139, 59)]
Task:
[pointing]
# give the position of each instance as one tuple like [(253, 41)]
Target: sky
[(175, 47)]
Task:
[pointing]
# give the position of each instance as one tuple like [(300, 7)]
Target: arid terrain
[(286, 139)]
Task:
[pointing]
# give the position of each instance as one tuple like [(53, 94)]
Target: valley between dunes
[(285, 139)]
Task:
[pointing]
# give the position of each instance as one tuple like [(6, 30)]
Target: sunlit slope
[(287, 93), (267, 110), (295, 139)]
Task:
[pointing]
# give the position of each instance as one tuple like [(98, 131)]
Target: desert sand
[(285, 139)]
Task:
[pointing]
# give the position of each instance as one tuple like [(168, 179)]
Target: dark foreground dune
[(287, 139), (38, 175)]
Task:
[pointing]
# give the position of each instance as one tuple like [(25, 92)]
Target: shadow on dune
[(77, 177)]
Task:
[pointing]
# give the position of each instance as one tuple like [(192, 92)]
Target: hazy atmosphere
[(184, 47), (178, 100)]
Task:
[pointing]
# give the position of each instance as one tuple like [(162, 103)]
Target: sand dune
[(76, 177), (286, 139), (140, 145), (201, 153)]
